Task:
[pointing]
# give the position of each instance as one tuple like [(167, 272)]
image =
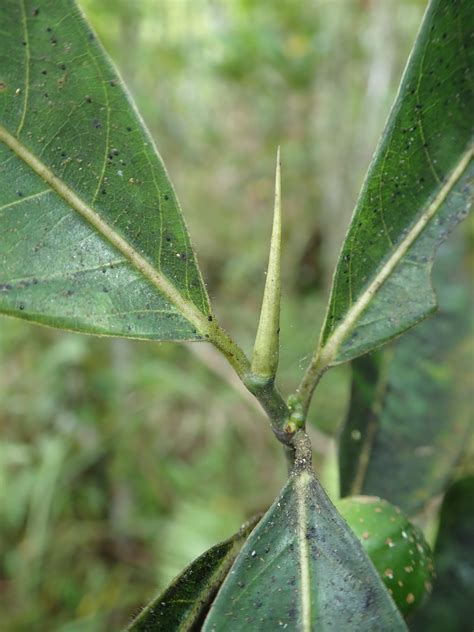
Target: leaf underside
[(182, 605), (409, 415), (303, 569), (418, 187), (121, 264)]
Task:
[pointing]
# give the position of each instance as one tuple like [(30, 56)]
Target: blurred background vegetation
[(121, 461)]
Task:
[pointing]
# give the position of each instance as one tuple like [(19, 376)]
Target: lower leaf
[(185, 602), (303, 569), (409, 416)]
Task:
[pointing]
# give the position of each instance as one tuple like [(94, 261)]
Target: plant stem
[(273, 403), (302, 452), (263, 389), (315, 371), (230, 349)]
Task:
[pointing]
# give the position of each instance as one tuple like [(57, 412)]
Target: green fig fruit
[(396, 547)]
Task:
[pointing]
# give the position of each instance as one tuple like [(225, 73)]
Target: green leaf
[(409, 414), (303, 569), (184, 603), (91, 233), (419, 185), (450, 604)]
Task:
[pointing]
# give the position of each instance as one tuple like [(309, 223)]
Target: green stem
[(230, 349), (295, 441), (263, 389), (315, 371), (273, 404)]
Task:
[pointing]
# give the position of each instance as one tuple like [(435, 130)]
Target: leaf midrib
[(301, 487), (329, 350), (160, 281)]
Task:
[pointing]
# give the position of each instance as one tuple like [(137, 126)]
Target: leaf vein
[(161, 282), (27, 67), (24, 199), (329, 351)]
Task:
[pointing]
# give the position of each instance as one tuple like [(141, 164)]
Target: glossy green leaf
[(410, 405), (450, 604), (184, 603), (91, 233), (303, 569), (419, 185)]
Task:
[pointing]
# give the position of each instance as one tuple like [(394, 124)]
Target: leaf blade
[(303, 547), (417, 188), (181, 605), (87, 145), (408, 418)]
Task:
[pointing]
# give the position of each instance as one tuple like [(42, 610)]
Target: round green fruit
[(396, 547)]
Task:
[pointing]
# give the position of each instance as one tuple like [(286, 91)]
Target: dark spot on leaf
[(96, 124), (35, 12), (44, 72), (49, 29), (3, 86), (369, 598), (292, 613), (5, 287), (88, 100), (209, 318), (166, 197), (19, 193), (129, 129), (113, 83), (21, 306)]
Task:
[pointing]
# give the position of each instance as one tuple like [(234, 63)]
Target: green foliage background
[(121, 461)]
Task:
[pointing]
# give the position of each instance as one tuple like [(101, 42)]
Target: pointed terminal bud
[(267, 341)]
